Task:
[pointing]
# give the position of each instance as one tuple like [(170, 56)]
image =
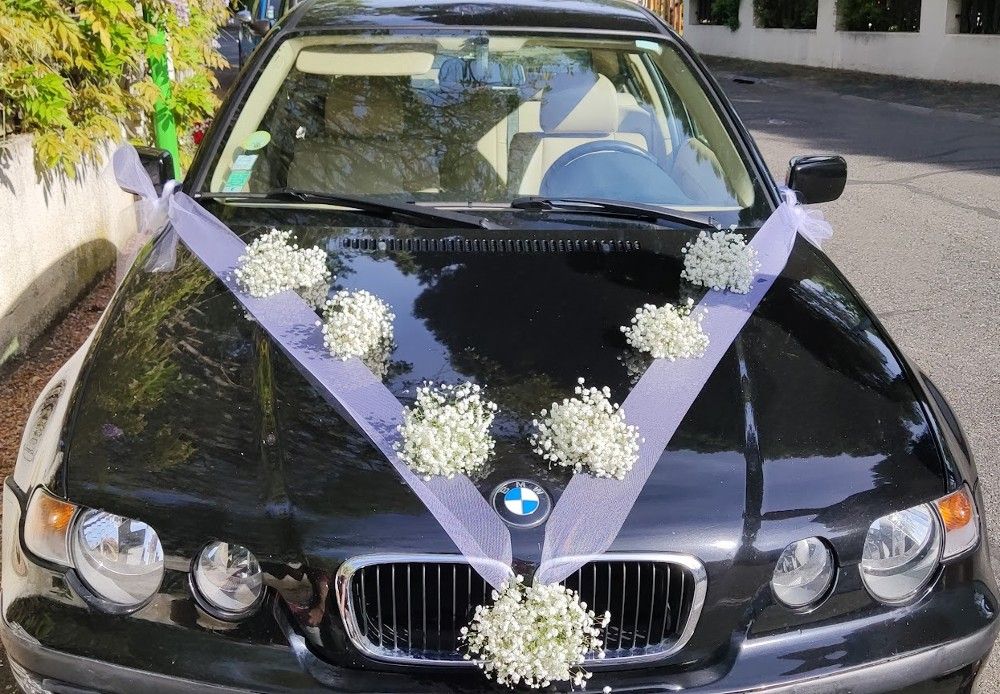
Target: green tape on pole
[(164, 126)]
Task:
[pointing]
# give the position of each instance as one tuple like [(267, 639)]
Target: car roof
[(600, 15)]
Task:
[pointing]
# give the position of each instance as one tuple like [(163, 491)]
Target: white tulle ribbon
[(153, 212), (348, 386), (807, 221), (662, 397), (656, 405)]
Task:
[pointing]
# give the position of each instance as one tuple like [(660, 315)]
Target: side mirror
[(158, 164), (260, 26), (817, 177)]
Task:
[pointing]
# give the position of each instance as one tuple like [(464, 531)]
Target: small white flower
[(720, 260), (357, 324), (273, 264), (534, 635), (587, 433), (447, 431), (667, 332)]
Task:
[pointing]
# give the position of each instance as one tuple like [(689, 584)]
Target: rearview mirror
[(817, 177), (158, 164)]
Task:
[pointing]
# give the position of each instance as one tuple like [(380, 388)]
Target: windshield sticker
[(244, 162), (649, 46), (236, 181), (256, 140)]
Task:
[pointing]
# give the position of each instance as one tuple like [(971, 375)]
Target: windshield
[(486, 119)]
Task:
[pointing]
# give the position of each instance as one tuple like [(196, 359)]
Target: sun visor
[(317, 61)]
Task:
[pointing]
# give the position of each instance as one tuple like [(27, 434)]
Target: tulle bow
[(807, 221), (152, 211)]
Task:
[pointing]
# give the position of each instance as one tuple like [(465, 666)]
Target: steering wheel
[(612, 170)]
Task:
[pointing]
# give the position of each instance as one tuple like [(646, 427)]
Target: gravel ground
[(21, 381)]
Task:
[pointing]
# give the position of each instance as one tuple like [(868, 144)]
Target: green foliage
[(74, 74), (879, 15), (785, 14), (726, 12)]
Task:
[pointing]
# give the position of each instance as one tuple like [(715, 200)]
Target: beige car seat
[(575, 110)]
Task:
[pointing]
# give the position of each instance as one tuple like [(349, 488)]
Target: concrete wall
[(56, 237), (937, 51)]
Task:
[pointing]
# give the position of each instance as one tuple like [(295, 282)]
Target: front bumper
[(57, 644), (762, 666)]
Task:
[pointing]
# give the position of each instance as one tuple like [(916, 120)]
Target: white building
[(937, 51)]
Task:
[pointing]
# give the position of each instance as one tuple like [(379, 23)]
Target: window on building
[(785, 14), (879, 15), (718, 12), (979, 17)]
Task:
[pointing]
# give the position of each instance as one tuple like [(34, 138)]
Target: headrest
[(579, 104), (367, 106)]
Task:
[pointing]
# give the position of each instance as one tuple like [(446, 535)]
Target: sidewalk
[(973, 101)]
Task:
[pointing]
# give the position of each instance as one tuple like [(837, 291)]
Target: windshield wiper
[(616, 208), (425, 216)]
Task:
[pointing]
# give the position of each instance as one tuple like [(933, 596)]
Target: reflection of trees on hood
[(553, 315), (141, 367)]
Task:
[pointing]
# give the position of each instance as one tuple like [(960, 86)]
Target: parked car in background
[(513, 179)]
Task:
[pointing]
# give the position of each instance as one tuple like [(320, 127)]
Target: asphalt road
[(917, 232)]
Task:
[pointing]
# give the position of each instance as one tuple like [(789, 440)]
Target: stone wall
[(57, 235)]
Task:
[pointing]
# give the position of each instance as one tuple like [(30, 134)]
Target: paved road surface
[(917, 232)]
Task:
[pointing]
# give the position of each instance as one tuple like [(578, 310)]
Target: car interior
[(488, 120)]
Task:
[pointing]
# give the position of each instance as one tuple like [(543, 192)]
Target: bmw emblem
[(521, 503)]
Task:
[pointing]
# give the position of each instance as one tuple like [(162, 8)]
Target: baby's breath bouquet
[(534, 635), (587, 433), (273, 264), (667, 332), (720, 260), (357, 324), (447, 431)]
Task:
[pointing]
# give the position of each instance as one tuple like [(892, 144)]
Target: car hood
[(187, 416)]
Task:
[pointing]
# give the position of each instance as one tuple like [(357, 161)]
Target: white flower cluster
[(534, 635), (356, 324), (447, 431), (273, 264), (720, 260), (667, 332), (587, 433)]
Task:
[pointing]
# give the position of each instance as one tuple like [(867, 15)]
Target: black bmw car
[(512, 178)]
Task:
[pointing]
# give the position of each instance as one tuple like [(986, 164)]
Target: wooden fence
[(670, 10)]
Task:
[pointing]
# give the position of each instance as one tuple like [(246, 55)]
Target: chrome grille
[(412, 608)]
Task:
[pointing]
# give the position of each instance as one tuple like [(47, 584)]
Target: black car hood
[(187, 417)]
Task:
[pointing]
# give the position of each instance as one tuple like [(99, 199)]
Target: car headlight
[(119, 559), (804, 573), (902, 551), (228, 577)]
